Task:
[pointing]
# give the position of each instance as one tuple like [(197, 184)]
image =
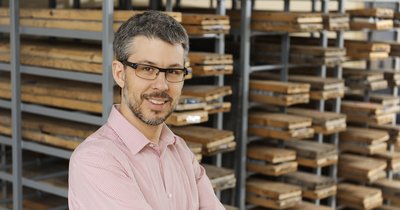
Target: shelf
[(5, 140), (45, 187), (5, 67), (62, 114), (265, 67), (4, 29), (56, 73), (44, 149), (77, 34), (5, 104), (6, 176)]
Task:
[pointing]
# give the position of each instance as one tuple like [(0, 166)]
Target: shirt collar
[(132, 137)]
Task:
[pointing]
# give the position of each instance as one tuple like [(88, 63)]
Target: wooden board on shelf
[(364, 135), (390, 188), (266, 97), (362, 197), (308, 181), (278, 120), (59, 133), (272, 194), (372, 12), (204, 19), (292, 17), (320, 193), (375, 25), (392, 158), (221, 178), (312, 150), (357, 107), (270, 154), (212, 140), (279, 86), (207, 92), (190, 103), (218, 107), (309, 206), (207, 58), (210, 70), (360, 168), (187, 118), (269, 169), (393, 131), (336, 21), (322, 122)]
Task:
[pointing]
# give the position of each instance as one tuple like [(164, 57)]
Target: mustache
[(163, 95)]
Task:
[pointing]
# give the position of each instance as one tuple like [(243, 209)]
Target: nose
[(160, 83)]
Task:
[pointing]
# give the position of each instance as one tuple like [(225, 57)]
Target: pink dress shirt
[(118, 168)]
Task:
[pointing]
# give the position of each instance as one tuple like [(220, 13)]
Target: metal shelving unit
[(16, 142), (242, 79)]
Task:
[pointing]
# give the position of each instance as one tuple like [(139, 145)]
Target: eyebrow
[(175, 65)]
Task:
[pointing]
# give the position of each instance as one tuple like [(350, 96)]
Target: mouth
[(158, 101)]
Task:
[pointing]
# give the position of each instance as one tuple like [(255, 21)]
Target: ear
[(118, 72)]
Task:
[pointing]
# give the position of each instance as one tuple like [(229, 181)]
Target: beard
[(134, 106)]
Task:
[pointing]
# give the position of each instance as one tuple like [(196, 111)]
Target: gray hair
[(151, 24)]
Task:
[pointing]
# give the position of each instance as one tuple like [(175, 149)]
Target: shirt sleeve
[(97, 181), (207, 198)]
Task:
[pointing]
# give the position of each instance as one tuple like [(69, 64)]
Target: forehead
[(155, 50)]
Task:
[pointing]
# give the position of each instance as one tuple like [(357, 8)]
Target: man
[(134, 161)]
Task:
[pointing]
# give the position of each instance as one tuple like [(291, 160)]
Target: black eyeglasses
[(150, 72)]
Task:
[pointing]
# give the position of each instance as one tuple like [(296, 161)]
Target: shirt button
[(151, 145), (169, 195)]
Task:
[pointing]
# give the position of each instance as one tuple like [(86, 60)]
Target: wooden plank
[(271, 132), (309, 206), (316, 83), (278, 120), (364, 135), (390, 188), (292, 17), (277, 169), (360, 168), (194, 30), (308, 181), (372, 12), (265, 97), (190, 103), (280, 87), (286, 27), (362, 197), (376, 25), (274, 204), (208, 137), (311, 150), (356, 107), (327, 94), (218, 107), (210, 70), (270, 154), (322, 122), (187, 118), (206, 92), (336, 21), (319, 162), (361, 45), (321, 193), (272, 190), (221, 178), (362, 148), (207, 58), (204, 19)]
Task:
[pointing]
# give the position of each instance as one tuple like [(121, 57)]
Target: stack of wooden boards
[(267, 51), (390, 189), (371, 18), (278, 93), (271, 194), (210, 64), (361, 169), (362, 79), (313, 186), (359, 197), (365, 50), (205, 24), (380, 110), (71, 19), (271, 161), (91, 20), (320, 88), (210, 94), (55, 132), (313, 154), (212, 140), (365, 141), (279, 126), (66, 94), (221, 178)]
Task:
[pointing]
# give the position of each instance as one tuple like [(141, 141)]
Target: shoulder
[(97, 149)]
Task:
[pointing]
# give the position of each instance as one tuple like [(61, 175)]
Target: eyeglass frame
[(135, 65)]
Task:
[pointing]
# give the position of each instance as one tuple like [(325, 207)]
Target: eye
[(174, 71), (147, 68)]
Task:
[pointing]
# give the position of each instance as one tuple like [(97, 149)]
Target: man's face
[(152, 101)]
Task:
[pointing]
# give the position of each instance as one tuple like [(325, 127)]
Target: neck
[(151, 132)]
